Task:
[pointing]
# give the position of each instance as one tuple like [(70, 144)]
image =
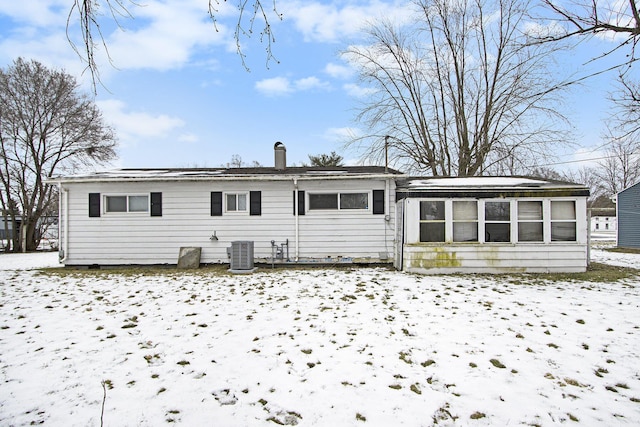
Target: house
[(290, 214), (280, 214), (603, 220), (628, 207), (491, 224)]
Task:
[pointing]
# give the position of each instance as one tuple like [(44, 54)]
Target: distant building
[(604, 220)]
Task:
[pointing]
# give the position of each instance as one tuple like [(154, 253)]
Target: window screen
[(432, 221), (354, 201), (563, 221), (530, 228), (497, 227), (465, 221)]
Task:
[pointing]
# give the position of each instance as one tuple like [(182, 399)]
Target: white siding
[(138, 238), (491, 257)]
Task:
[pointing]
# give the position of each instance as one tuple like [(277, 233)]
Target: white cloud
[(357, 91), (132, 126), (276, 86), (341, 135), (309, 83), (323, 22), (339, 71), (38, 13), (167, 34), (279, 86), (188, 137)]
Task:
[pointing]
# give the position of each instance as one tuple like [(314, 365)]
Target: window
[(115, 204), (354, 201), (530, 227), (236, 202), (465, 221), (432, 221), (563, 221), (497, 217), (342, 201)]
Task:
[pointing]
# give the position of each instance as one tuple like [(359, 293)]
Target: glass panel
[(116, 203), (465, 231), (323, 201), (530, 211), (354, 201), (564, 210), (465, 211), (231, 203), (432, 210), (138, 203), (500, 232), (563, 231), (432, 232), (497, 211), (530, 231), (242, 202)]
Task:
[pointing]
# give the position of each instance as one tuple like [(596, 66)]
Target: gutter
[(90, 179)]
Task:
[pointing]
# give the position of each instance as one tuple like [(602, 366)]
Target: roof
[(487, 186), (255, 173)]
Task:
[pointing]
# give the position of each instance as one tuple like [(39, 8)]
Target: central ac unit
[(241, 255)]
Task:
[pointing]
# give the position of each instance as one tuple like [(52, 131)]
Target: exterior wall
[(628, 206), (604, 223), (138, 238), (493, 257)]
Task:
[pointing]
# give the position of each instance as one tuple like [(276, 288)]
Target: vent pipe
[(280, 153)]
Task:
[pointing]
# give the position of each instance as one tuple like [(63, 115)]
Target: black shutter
[(216, 203), (94, 205), (255, 203), (300, 202), (156, 204), (378, 202)]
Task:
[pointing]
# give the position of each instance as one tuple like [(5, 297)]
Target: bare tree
[(46, 126), (460, 92), (591, 17), (86, 14), (620, 168)]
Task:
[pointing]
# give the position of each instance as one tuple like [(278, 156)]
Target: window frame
[(553, 237), (236, 211), (338, 196), (509, 222), (436, 221), (542, 221), (460, 221), (127, 208)]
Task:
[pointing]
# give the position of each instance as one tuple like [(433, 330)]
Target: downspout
[(63, 224), (297, 214), (387, 217)]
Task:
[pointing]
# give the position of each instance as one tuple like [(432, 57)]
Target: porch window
[(115, 204), (563, 221), (530, 228), (465, 221), (497, 227), (432, 221), (236, 202)]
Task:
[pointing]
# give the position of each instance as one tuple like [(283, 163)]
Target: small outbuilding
[(491, 224), (628, 207)]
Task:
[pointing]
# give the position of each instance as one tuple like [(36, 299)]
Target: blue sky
[(178, 94)]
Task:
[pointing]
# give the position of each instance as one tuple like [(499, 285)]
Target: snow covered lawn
[(315, 347)]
